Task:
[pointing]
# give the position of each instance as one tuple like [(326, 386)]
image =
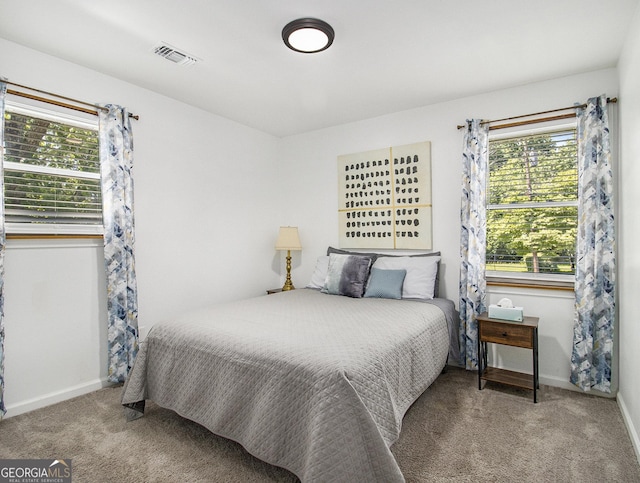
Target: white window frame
[(530, 279), (61, 229)]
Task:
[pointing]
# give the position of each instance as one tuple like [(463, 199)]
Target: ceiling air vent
[(174, 55)]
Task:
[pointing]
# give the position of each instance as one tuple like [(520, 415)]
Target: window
[(51, 172), (532, 205)]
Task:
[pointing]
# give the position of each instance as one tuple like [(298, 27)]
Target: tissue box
[(515, 314)]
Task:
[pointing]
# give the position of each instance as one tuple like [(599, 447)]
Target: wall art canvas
[(385, 198)]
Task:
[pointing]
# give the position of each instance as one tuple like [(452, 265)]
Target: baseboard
[(564, 384), (55, 397), (633, 433)]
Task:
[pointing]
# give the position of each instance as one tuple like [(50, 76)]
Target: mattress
[(311, 382)]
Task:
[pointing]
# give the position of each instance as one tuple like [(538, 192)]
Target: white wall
[(55, 321), (309, 171), (199, 238), (629, 231)]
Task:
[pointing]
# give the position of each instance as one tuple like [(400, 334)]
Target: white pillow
[(320, 272), (420, 281)]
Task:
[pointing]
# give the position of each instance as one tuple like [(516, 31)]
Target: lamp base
[(287, 284)]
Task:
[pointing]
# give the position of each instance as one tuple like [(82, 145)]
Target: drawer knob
[(504, 334)]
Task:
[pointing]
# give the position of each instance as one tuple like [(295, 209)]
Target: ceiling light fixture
[(308, 35)]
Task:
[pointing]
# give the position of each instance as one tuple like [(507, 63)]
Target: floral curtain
[(116, 160), (595, 257), (475, 166), (3, 92)]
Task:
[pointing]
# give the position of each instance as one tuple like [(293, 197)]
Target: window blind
[(51, 173), (532, 203)]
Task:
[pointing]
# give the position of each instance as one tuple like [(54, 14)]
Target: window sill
[(23, 231), (53, 243), (44, 236), (539, 283)]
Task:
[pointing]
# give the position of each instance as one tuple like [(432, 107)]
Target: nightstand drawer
[(505, 333)]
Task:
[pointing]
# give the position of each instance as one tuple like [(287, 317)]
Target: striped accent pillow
[(347, 275)]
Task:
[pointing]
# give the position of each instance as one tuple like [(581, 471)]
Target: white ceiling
[(387, 56)]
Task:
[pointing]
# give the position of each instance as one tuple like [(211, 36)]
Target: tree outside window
[(532, 203)]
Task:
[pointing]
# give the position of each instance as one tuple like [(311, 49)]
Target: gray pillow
[(373, 256), (347, 275), (385, 284)]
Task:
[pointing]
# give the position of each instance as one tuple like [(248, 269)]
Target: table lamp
[(288, 240)]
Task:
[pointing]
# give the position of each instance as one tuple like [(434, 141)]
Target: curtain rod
[(534, 121), (57, 103)]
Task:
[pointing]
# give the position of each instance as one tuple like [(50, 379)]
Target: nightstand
[(516, 334), (274, 290)]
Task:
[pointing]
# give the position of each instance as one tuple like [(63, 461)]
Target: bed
[(308, 380)]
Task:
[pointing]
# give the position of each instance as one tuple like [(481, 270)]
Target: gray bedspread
[(311, 382)]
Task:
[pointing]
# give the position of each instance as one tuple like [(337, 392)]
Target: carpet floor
[(453, 432)]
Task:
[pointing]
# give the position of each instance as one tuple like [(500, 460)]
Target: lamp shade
[(288, 238)]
